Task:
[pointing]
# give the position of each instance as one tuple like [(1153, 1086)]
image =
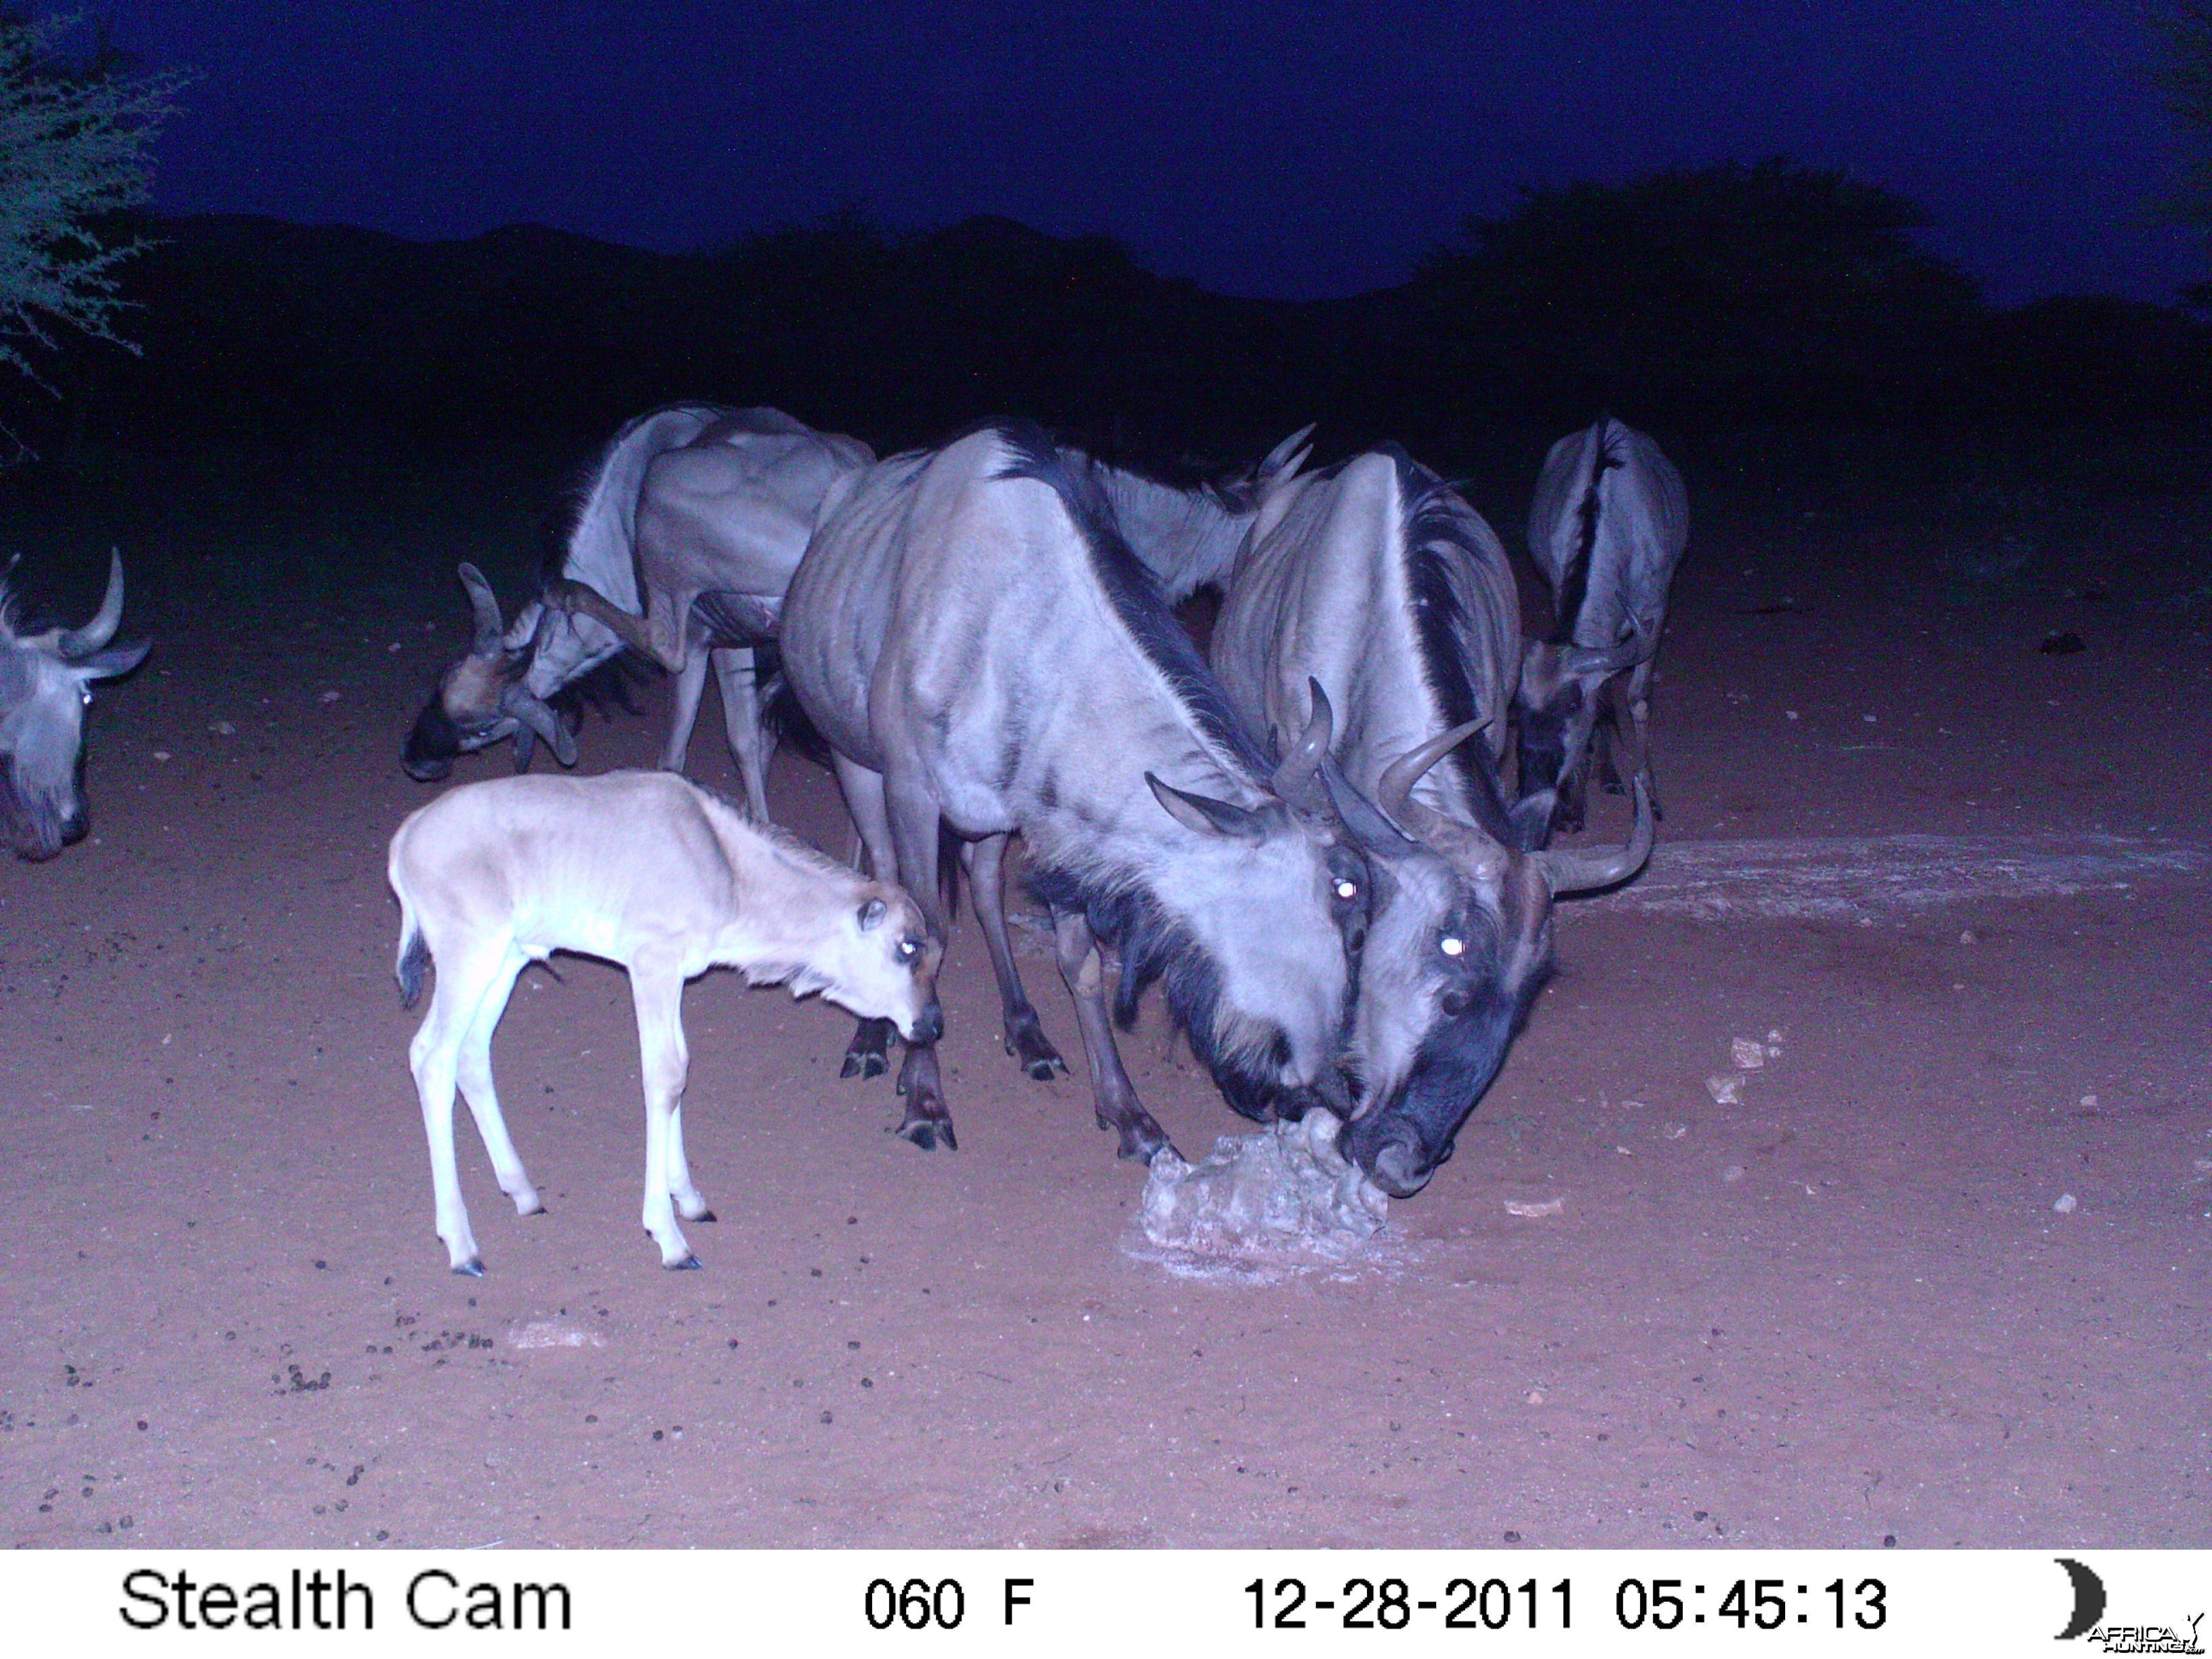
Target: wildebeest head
[(1460, 944), (46, 681), (481, 698), (1252, 926)]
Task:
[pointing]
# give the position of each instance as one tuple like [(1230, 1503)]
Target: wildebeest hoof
[(472, 1268), (704, 1215), (925, 1131), (863, 1063), (690, 1263), (1043, 1068)]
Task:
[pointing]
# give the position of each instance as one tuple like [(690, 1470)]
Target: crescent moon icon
[(2088, 1598)]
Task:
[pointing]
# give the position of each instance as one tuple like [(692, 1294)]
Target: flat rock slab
[(1888, 874)]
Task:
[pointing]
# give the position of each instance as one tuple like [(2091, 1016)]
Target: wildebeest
[(703, 512), (973, 635), (1376, 579), (46, 683), (644, 869), (1608, 528)]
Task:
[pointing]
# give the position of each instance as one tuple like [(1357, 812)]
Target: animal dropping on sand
[(1286, 1189)]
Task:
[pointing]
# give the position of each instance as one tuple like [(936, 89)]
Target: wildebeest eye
[(1347, 890), (909, 948), (1451, 946)]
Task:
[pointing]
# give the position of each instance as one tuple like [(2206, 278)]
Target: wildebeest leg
[(869, 1052), (1113, 1095), (736, 673), (914, 815), (1575, 756), (472, 1066), (463, 977), (1636, 698), (1025, 1036), (684, 712), (657, 989)]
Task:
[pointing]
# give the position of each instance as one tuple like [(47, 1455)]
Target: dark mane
[(1436, 535), (1153, 945), (1130, 588), (1574, 586)]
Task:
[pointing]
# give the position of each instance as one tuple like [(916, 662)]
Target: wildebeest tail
[(414, 956), (781, 717)]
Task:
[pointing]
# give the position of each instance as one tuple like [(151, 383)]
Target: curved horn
[(1585, 872), (1466, 845), (75, 642), (1576, 660), (485, 603), (1372, 830), (1293, 780), (539, 720)]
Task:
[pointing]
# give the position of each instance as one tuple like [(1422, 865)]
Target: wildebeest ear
[(871, 914), (1203, 815), (110, 660)]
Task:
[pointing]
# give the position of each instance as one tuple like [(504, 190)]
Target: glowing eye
[(1452, 947), (908, 948), (1345, 890)]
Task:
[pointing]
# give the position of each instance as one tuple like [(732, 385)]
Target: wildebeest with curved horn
[(46, 683), (980, 647), (1607, 527), (702, 510), (1377, 581)]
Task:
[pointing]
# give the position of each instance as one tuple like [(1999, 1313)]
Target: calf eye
[(1347, 890), (1450, 946), (909, 948)]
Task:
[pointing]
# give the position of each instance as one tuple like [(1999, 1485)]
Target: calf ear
[(871, 914)]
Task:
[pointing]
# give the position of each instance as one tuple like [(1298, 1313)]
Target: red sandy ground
[(226, 1320)]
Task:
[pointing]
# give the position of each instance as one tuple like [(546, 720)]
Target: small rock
[(1534, 1396), (1747, 1053), (1725, 1088), (2066, 1205), (160, 754), (1528, 1209), (1734, 1173), (328, 696), (2090, 1102), (1966, 936), (223, 729)]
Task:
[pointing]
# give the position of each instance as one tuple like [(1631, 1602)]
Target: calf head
[(482, 699), (46, 681), (880, 963)]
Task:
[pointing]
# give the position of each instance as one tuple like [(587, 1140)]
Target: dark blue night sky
[(1306, 150)]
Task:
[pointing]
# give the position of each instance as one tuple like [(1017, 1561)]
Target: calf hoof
[(704, 1215), (472, 1268), (689, 1264)]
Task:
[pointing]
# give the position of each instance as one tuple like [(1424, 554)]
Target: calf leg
[(657, 990), (684, 712), (869, 1052), (1024, 1034), (463, 978), (473, 1067), (1113, 1097), (736, 673)]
